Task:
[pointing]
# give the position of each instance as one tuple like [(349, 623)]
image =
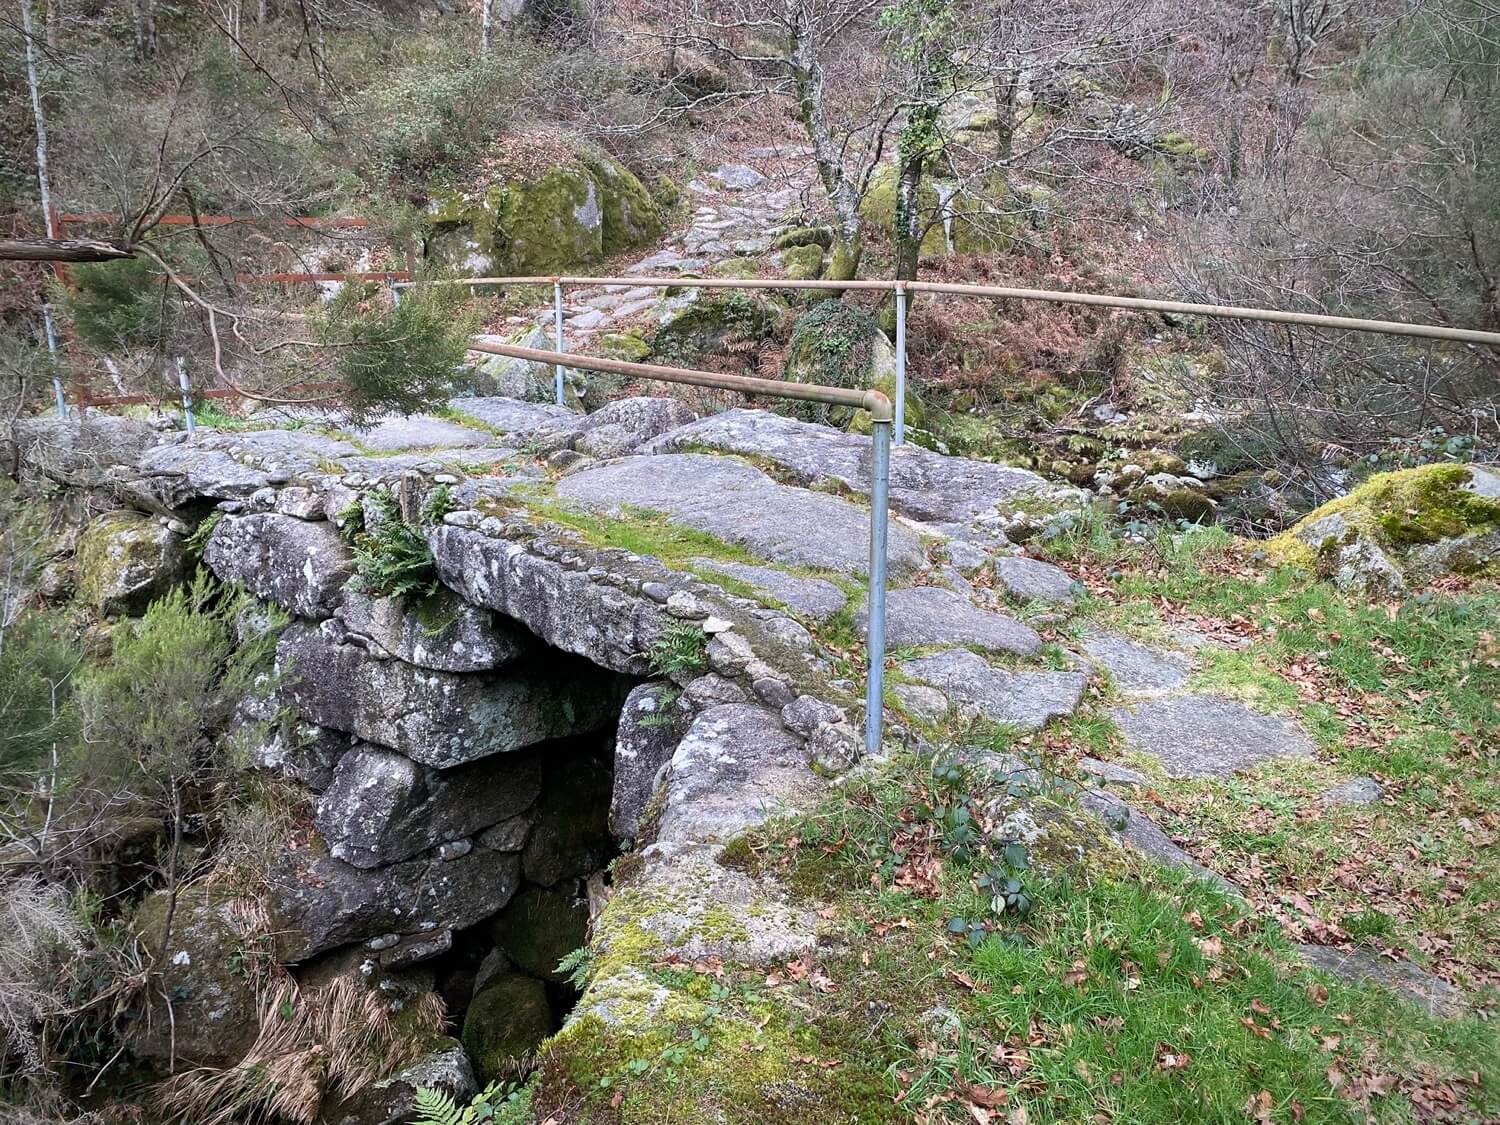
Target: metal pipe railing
[(902, 289), (882, 418)]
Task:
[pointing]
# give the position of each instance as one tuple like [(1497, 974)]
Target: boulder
[(540, 927), (1032, 580), (1136, 669), (381, 807), (1143, 834), (803, 262), (126, 560), (577, 210), (838, 345), (1410, 982), (621, 426), (442, 632), (445, 1067), (570, 836), (699, 323), (736, 177), (80, 452), (521, 423), (1207, 735), (506, 1021), (215, 1003), (931, 615), (735, 767), (298, 751), (440, 719), (644, 742), (740, 504), (1399, 529), (522, 379), (318, 903), (298, 564), (564, 606), (956, 219), (406, 432), (1027, 700)]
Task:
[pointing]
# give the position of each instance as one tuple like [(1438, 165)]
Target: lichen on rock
[(1401, 528)]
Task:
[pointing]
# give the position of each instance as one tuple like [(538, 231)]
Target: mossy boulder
[(206, 968), (1182, 152), (541, 926), (821, 237), (955, 220), (838, 345), (576, 212), (126, 560), (1402, 527), (698, 323), (803, 263), (630, 346), (507, 1020)]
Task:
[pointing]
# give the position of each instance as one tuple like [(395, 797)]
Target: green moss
[(707, 323), (821, 237), (540, 926), (574, 213), (738, 855), (629, 346), (735, 267), (976, 224), (508, 1019), (1398, 510), (125, 560), (803, 263)]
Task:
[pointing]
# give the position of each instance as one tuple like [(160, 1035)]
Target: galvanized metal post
[(395, 294), (57, 387), (900, 363), (557, 328), (187, 397), (880, 503)]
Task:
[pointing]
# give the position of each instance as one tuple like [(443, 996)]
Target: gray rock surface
[(79, 452), (1207, 735), (420, 431), (1137, 669), (1112, 772), (621, 426), (437, 718), (647, 736), (563, 605), (734, 768), (1143, 834), (1031, 580), (1410, 982), (739, 504), (924, 485), (1028, 700), (931, 615), (737, 177), (317, 902), (298, 564), (1355, 791), (442, 632), (814, 598), (382, 807), (519, 421)]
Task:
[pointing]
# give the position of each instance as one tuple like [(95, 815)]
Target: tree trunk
[(61, 250), (486, 20), (808, 75), (908, 225), (39, 118), (143, 19), (1005, 112)]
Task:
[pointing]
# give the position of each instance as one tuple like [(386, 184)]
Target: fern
[(435, 1107), (392, 559), (576, 966), (679, 650), (198, 540)]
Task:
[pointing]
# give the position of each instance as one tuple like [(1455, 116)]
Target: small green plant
[(438, 504), (577, 966), (198, 540), (436, 1107), (680, 650), (392, 559), (351, 521)]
